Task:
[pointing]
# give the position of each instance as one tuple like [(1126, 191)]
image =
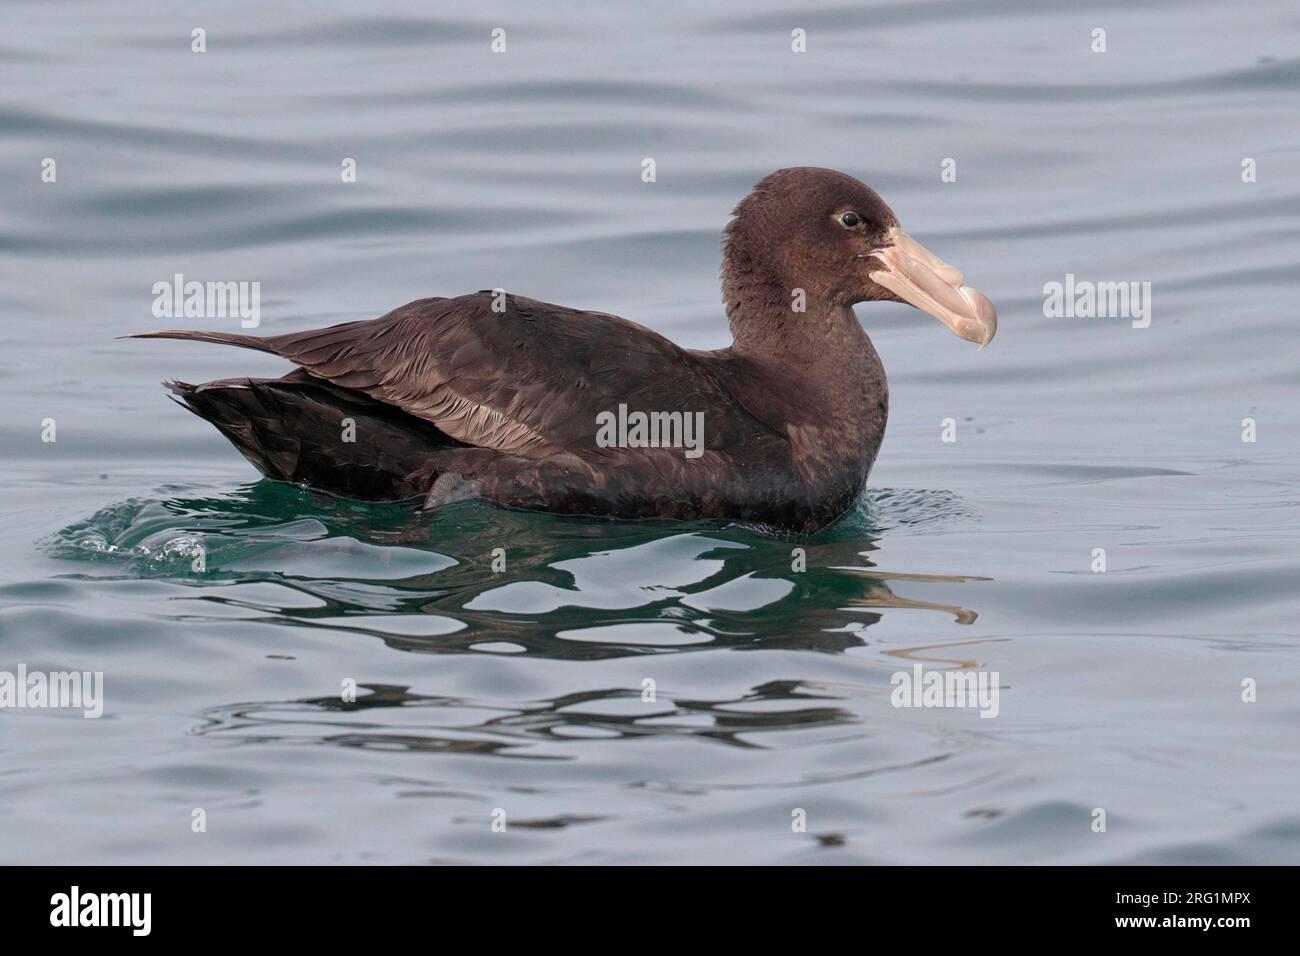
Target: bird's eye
[(850, 220)]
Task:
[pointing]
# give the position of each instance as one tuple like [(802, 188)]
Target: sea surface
[(633, 693)]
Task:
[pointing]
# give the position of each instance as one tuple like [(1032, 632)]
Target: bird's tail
[(201, 335), (313, 433)]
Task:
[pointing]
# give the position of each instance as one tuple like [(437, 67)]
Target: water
[(523, 690)]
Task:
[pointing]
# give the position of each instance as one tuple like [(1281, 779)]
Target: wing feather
[(528, 381)]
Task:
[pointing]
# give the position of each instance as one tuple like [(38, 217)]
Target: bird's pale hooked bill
[(919, 277)]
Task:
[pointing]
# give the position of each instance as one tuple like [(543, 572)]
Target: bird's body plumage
[(509, 402), (511, 399)]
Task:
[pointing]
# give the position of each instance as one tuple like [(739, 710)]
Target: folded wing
[(527, 380)]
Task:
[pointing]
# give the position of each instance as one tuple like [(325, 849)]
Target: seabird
[(538, 406)]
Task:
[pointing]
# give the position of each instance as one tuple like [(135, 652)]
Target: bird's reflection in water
[(565, 588), (571, 589), (460, 725)]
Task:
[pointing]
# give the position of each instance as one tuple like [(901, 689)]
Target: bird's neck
[(805, 335), (841, 381), (812, 335)]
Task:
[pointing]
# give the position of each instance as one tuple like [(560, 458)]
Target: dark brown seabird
[(449, 399)]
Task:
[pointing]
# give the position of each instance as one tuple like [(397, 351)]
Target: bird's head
[(831, 238)]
